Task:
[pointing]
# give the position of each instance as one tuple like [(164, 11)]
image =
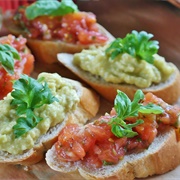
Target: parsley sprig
[(125, 108), (51, 8), (29, 94), (7, 56), (137, 44)]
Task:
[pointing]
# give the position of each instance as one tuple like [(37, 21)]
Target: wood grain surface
[(119, 17)]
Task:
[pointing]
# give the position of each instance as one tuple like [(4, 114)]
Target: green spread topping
[(37, 106)]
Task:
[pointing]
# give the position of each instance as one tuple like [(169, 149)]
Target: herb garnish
[(106, 163), (7, 56), (51, 8), (29, 94), (125, 108), (136, 44)]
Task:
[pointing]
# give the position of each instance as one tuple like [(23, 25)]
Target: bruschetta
[(137, 139), (54, 27), (126, 64)]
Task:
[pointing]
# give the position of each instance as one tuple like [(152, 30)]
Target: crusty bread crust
[(47, 50), (168, 91), (86, 109), (162, 156)]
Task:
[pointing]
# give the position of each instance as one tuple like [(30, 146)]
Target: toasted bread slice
[(47, 50), (85, 110), (162, 156), (168, 91)]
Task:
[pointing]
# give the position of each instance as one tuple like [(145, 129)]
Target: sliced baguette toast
[(47, 50), (168, 91), (85, 110), (162, 156)]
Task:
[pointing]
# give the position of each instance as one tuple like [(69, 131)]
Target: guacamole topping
[(52, 114), (124, 68)]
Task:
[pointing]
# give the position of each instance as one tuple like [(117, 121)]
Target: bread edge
[(162, 156)]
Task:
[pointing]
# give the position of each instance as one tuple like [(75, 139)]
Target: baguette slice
[(168, 91), (86, 109), (47, 50), (162, 156)]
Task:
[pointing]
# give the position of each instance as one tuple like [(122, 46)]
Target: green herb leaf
[(106, 163), (125, 130), (125, 108), (50, 8), (24, 125), (29, 94), (7, 56), (136, 44), (151, 108), (21, 127)]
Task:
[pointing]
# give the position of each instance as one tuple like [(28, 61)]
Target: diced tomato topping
[(23, 66), (78, 27), (99, 132), (95, 145), (147, 131), (171, 113)]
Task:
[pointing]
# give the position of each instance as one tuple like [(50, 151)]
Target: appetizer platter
[(64, 126)]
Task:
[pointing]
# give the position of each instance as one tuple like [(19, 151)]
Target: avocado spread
[(124, 68), (52, 114)]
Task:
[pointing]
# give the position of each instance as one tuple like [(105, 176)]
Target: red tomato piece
[(76, 28), (23, 66), (108, 152)]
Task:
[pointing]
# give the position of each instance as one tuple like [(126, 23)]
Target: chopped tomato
[(95, 145), (23, 66), (100, 132), (77, 28), (136, 143), (147, 131), (92, 160), (171, 113), (108, 151)]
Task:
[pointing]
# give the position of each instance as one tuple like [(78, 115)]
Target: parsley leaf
[(136, 44), (51, 8), (7, 56), (29, 94), (125, 108)]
